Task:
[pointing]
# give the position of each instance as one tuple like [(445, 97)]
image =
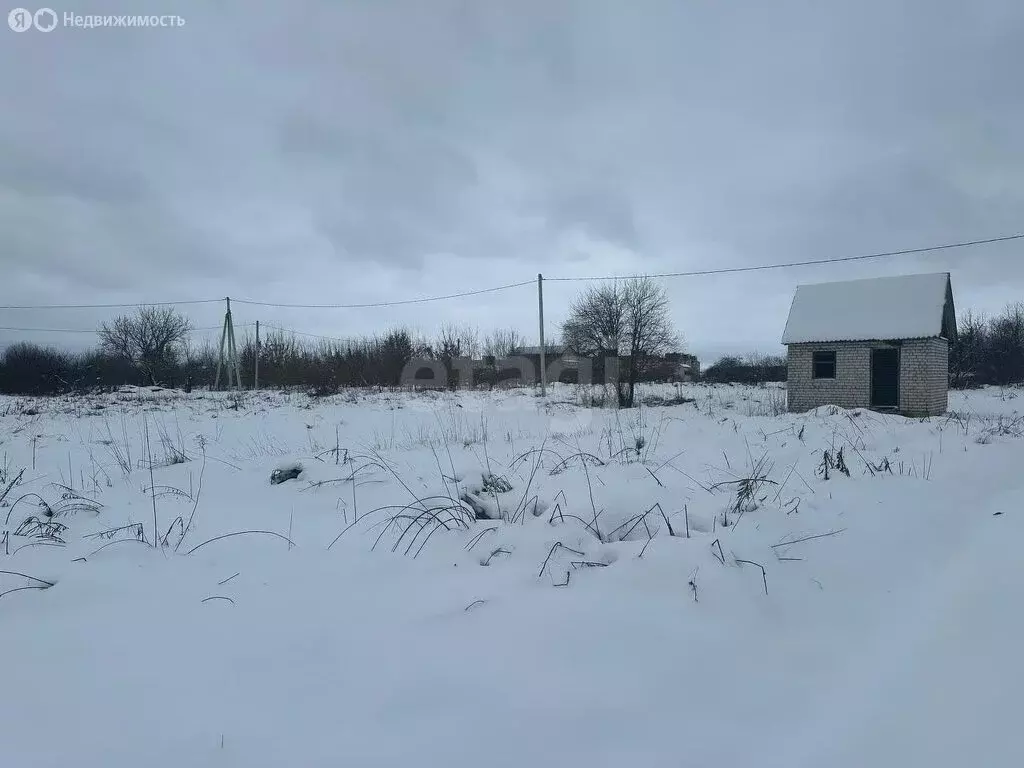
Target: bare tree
[(151, 339), (967, 355), (455, 341), (596, 322), (503, 343), (1006, 345), (630, 319), (989, 350), (448, 344), (393, 352), (754, 368)]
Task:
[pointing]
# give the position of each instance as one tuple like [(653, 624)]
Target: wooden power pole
[(543, 365), (256, 364)]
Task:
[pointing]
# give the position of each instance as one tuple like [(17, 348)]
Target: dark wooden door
[(885, 378)]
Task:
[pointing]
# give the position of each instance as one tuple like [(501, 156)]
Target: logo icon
[(45, 19), (20, 19)]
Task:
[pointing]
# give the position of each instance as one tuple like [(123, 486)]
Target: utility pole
[(256, 365), (228, 357), (234, 349), (543, 362), (220, 352), (618, 372)]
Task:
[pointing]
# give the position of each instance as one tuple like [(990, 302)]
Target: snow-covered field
[(690, 584)]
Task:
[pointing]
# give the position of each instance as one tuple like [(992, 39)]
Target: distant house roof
[(902, 307), (549, 349)]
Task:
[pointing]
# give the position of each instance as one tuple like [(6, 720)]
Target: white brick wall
[(923, 376), (851, 388)]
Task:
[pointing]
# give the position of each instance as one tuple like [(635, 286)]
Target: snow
[(889, 639), (901, 307)]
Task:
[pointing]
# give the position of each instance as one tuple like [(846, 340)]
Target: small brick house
[(880, 343)]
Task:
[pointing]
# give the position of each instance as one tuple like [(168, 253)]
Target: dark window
[(824, 365)]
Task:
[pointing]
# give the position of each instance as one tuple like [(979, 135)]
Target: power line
[(509, 286), (370, 305), (220, 327), (811, 262), (302, 333), (110, 306), (94, 330), (49, 330)]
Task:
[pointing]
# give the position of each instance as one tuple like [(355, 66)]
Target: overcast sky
[(350, 152)]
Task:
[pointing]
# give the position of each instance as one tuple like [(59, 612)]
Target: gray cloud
[(348, 152)]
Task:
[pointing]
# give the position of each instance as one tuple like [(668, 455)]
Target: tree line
[(754, 368), (629, 322), (153, 347), (989, 350)]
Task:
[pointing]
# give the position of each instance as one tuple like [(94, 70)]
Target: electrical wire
[(509, 286), (786, 265), (401, 302), (110, 306), (48, 330), (93, 330), (302, 333)]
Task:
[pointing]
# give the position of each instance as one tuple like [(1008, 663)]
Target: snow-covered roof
[(902, 307)]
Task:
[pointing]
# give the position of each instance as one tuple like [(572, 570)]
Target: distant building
[(881, 343), (523, 368), (686, 367), (551, 352), (568, 369), (674, 366)]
